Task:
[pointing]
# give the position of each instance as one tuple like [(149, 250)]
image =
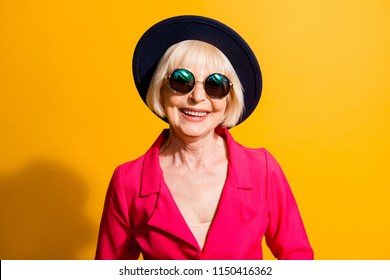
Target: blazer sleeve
[(116, 241), (285, 235)]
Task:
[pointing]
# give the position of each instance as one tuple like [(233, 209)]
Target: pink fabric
[(140, 215)]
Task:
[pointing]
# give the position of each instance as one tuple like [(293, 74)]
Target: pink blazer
[(140, 215)]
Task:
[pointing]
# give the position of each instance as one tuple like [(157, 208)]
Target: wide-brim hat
[(158, 38)]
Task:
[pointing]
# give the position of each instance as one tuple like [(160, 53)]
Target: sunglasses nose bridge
[(198, 92)]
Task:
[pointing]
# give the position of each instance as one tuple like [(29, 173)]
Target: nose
[(198, 93)]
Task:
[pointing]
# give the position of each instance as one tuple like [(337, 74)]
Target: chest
[(196, 193)]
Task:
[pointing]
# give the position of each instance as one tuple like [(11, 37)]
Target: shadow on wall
[(42, 213)]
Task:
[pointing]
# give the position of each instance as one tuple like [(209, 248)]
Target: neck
[(193, 151)]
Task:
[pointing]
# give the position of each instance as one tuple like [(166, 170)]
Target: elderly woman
[(196, 193)]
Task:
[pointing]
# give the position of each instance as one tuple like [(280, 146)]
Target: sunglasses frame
[(203, 82)]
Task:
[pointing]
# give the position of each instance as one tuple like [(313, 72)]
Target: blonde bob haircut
[(196, 54)]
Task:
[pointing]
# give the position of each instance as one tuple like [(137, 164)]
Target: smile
[(194, 113)]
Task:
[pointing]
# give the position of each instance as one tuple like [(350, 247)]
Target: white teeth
[(193, 113)]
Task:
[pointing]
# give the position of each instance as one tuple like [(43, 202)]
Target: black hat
[(157, 39)]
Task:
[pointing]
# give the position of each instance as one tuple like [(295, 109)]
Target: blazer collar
[(152, 174)]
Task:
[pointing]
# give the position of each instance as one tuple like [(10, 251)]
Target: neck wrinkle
[(191, 153)]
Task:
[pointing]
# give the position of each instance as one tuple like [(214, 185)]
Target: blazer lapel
[(168, 218), (165, 215), (233, 210)]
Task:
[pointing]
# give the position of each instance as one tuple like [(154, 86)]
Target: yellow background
[(70, 114)]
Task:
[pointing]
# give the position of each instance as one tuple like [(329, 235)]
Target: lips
[(191, 113)]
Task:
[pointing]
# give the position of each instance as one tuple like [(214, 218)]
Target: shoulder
[(256, 159), (149, 160), (127, 176), (132, 166), (260, 155), (264, 157), (240, 152)]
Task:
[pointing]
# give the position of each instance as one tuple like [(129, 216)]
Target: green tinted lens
[(182, 81), (217, 85)]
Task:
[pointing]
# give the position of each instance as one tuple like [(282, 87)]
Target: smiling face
[(194, 114), (202, 59)]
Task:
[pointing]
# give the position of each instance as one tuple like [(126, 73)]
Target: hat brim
[(157, 39)]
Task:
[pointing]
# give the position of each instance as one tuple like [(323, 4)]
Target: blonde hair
[(197, 54)]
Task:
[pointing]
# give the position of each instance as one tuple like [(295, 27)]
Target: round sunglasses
[(182, 81)]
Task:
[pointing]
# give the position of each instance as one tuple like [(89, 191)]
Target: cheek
[(171, 101), (220, 106)]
